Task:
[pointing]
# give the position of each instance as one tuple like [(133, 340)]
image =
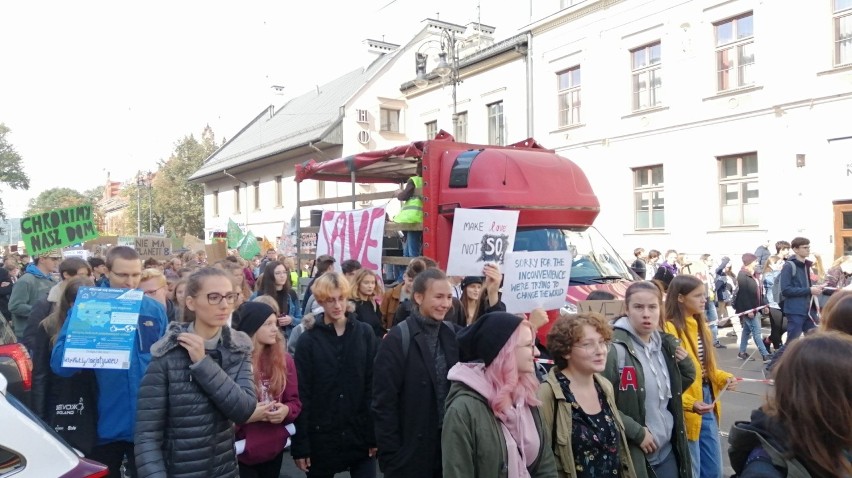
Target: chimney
[(477, 38), (377, 49)]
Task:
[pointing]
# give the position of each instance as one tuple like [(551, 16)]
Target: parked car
[(31, 449), (17, 367)]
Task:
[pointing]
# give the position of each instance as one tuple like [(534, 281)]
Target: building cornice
[(570, 14)]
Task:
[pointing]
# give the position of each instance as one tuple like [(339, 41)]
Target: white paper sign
[(353, 235), (480, 236), (536, 279)]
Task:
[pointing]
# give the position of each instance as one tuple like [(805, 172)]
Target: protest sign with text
[(536, 279), (58, 228), (159, 248), (353, 235), (480, 236), (102, 328)]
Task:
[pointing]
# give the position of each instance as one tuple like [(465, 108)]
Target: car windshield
[(594, 259)]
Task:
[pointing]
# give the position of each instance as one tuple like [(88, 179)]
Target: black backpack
[(776, 286)]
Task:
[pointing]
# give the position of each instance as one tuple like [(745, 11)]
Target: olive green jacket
[(472, 442), (553, 400)]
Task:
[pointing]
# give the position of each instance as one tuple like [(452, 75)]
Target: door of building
[(843, 228)]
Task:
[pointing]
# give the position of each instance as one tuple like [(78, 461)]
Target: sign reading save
[(58, 228)]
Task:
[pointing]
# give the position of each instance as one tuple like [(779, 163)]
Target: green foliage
[(11, 167), (55, 198), (179, 203)]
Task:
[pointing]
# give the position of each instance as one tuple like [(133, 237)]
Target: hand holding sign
[(480, 236), (536, 279)]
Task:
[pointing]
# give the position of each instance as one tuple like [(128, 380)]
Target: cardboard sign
[(353, 235), (58, 228), (217, 251), (129, 241), (611, 309), (480, 236), (76, 252), (192, 243), (536, 279), (159, 248)]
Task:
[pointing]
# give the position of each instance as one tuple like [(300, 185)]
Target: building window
[(568, 82), (738, 190), (842, 32), (496, 133), (279, 191), (236, 199), (256, 188), (431, 129), (647, 76), (735, 52), (648, 197), (216, 203), (460, 132), (390, 120)]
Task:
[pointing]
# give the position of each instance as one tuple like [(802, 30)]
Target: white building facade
[(704, 126)]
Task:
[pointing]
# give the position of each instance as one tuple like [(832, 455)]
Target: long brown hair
[(675, 313), (811, 397), (53, 323)]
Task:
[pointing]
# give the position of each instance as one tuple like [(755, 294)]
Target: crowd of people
[(431, 377)]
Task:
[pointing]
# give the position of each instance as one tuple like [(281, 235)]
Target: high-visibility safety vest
[(412, 210), (294, 277)]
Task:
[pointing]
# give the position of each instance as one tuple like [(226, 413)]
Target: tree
[(55, 198), (141, 214), (11, 167)]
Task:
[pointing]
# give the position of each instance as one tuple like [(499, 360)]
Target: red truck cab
[(557, 206)]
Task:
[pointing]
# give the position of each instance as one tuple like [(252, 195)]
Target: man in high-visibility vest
[(411, 213)]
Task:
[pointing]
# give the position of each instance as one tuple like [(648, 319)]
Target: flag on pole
[(235, 235), (248, 247)]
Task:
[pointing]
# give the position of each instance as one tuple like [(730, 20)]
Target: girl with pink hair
[(492, 425)]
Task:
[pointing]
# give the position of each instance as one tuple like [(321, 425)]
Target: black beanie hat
[(484, 338), (470, 280), (252, 315)]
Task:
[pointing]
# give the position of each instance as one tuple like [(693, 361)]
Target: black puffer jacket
[(335, 429), (185, 413)]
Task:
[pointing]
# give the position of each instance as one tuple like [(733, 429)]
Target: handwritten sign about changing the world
[(536, 279), (480, 236), (58, 228), (353, 235), (102, 328)]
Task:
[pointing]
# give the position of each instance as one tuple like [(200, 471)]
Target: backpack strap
[(553, 428), (621, 351), (406, 338)]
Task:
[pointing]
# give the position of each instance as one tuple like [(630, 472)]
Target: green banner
[(58, 228), (235, 235), (249, 247)]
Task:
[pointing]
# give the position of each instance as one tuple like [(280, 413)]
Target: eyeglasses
[(151, 293), (590, 347), (215, 298)]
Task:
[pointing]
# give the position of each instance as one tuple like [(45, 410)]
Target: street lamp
[(447, 71), (139, 183)]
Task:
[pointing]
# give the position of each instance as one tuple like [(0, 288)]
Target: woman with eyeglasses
[(198, 385), (334, 361), (578, 405)]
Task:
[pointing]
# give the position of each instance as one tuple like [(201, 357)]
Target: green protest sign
[(235, 235), (248, 247), (58, 228)]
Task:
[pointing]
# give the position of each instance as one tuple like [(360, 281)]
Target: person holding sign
[(199, 384), (473, 303), (685, 300), (118, 388), (648, 370)]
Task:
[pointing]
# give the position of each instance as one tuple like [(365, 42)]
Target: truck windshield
[(594, 259)]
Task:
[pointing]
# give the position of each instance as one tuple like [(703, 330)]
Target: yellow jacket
[(695, 392)]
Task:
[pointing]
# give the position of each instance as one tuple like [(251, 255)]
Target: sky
[(98, 87)]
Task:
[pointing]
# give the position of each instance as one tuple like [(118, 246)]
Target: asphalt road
[(736, 406)]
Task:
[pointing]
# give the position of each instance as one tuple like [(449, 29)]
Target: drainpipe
[(530, 108), (245, 187)]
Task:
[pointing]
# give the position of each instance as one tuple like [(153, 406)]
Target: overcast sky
[(92, 87)]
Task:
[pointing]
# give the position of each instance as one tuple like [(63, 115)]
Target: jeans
[(712, 319), (112, 455), (667, 468), (413, 244), (797, 324), (751, 327), (363, 469), (706, 452)]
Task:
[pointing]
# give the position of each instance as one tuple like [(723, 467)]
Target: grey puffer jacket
[(185, 412)]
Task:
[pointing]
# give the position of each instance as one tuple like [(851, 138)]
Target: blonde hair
[(154, 274), (327, 283)]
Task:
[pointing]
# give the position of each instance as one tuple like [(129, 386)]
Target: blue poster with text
[(102, 328)]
